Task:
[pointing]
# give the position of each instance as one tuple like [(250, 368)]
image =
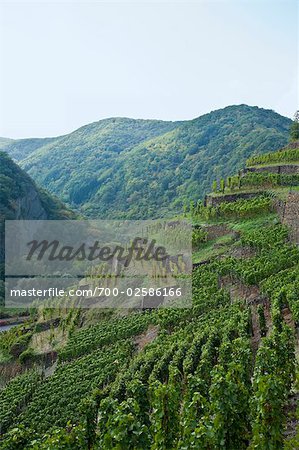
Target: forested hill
[(20, 198), (141, 168), (4, 142)]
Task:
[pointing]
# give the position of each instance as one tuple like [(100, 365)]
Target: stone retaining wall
[(288, 169), (215, 201)]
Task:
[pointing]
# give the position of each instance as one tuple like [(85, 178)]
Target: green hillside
[(21, 148), (219, 375), (4, 142), (21, 199), (119, 168), (273, 174)]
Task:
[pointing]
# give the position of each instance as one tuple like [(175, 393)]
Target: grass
[(210, 249), (4, 358), (252, 224)]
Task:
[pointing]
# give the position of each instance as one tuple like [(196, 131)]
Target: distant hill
[(129, 168), (19, 149), (4, 142)]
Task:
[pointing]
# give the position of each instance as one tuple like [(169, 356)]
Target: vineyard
[(271, 171), (284, 156), (221, 374), (253, 179)]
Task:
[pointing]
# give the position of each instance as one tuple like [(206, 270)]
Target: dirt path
[(145, 338)]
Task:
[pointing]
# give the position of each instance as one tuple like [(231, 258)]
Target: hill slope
[(138, 169), (4, 142), (20, 198), (217, 375), (21, 148)]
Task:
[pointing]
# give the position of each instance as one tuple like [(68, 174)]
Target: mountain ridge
[(142, 168)]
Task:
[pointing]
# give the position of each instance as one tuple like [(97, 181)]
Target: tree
[(294, 131), (185, 209), (199, 206), (214, 186), (222, 185), (192, 206)]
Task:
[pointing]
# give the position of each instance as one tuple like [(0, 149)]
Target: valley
[(139, 169)]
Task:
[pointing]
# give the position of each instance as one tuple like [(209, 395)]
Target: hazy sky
[(65, 64)]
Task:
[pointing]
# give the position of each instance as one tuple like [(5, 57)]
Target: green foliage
[(240, 209), (86, 340), (165, 402), (274, 373), (266, 237), (222, 185), (254, 270), (15, 395), (14, 341), (229, 396), (245, 208), (294, 131), (60, 397), (265, 180), (285, 284), (16, 185), (27, 355), (190, 388), (199, 236), (124, 429), (184, 379), (107, 160), (288, 155), (73, 438), (20, 198)]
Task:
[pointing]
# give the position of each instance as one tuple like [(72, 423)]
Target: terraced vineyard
[(219, 375)]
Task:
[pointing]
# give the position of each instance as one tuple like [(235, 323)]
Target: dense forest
[(20, 198), (118, 168)]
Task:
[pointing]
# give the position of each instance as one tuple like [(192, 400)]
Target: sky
[(66, 64)]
